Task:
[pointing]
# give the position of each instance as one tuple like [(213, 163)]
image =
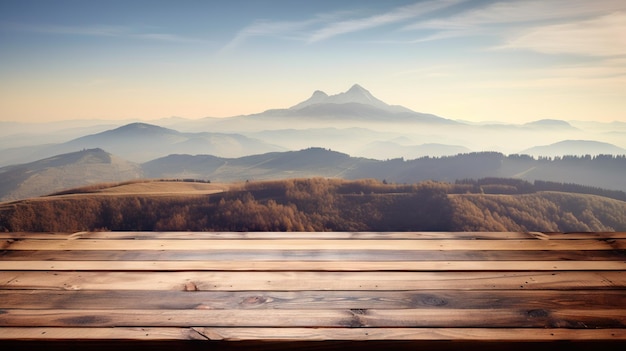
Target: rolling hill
[(140, 142), (316, 204), (311, 162), (575, 147), (95, 165), (64, 171)]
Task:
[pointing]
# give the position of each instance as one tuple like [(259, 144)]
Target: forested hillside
[(319, 204), (95, 166)]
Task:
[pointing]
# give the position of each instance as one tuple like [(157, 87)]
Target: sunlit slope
[(315, 204), (64, 171)]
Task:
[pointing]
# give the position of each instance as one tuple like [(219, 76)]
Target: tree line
[(319, 204), (492, 185)]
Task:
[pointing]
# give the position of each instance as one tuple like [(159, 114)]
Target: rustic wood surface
[(235, 288)]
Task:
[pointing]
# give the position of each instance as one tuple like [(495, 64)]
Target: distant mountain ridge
[(575, 147), (140, 142), (358, 103), (355, 95), (354, 122), (275, 165), (96, 165), (64, 171), (549, 123)]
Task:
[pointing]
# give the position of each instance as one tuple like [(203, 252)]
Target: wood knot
[(253, 300), (191, 286), (431, 300), (538, 313), (358, 311), (356, 321)]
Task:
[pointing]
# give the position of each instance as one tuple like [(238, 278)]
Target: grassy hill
[(317, 204), (64, 171)]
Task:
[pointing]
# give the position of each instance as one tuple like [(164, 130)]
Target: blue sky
[(509, 61)]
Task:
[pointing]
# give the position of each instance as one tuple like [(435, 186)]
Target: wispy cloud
[(167, 37), (522, 11), (264, 28), (395, 15), (101, 31), (600, 36), (557, 26), (327, 25)]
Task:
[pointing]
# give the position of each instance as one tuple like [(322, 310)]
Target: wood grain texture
[(275, 235), (354, 266), (289, 244), (485, 334), (312, 255), (228, 287), (313, 334), (322, 281), (316, 235), (203, 300), (319, 318)]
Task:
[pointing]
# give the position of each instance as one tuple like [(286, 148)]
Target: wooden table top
[(276, 289)]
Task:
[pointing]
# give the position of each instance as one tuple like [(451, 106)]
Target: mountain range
[(353, 122), (385, 141), (141, 142), (92, 166), (575, 147)]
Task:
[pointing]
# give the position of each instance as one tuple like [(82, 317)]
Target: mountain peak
[(140, 128), (361, 95), (318, 97), (549, 123), (357, 89), (356, 94), (319, 94)]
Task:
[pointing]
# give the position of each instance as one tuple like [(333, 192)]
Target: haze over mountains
[(354, 122), (296, 141)]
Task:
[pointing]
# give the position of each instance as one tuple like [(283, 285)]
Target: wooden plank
[(312, 334), (449, 318), (118, 333), (313, 255), (272, 286), (315, 235), (485, 334), (280, 244), (586, 235), (444, 299), (278, 235), (347, 266), (294, 281)]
